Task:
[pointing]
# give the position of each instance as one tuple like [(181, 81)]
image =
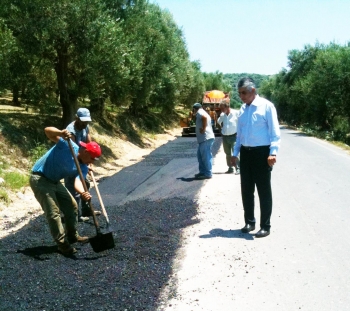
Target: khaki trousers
[(53, 198), (228, 144)]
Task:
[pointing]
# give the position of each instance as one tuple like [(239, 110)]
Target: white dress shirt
[(228, 122), (258, 126)]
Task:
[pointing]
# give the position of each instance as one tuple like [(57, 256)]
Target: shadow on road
[(131, 275), (231, 234)]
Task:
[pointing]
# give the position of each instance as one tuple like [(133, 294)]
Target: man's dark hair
[(247, 83)]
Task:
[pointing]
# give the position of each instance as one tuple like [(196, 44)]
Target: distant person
[(80, 132), (228, 123), (213, 117), (79, 128), (53, 197), (205, 139), (258, 141)]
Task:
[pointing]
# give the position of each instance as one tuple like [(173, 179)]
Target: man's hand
[(201, 130), (271, 160), (65, 134), (233, 161), (86, 196)]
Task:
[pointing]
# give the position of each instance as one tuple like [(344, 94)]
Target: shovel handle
[(99, 197), (82, 179)]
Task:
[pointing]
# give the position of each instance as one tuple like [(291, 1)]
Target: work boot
[(66, 249), (229, 171), (77, 238)]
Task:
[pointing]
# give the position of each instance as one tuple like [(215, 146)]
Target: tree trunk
[(97, 107), (15, 98), (69, 105)]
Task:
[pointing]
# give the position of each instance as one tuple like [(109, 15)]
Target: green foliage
[(315, 91), (130, 53), (4, 196), (15, 180), (37, 151)]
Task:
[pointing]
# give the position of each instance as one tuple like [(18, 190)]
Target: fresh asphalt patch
[(34, 276)]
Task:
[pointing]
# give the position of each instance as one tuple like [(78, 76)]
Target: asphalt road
[(303, 265), (179, 246)]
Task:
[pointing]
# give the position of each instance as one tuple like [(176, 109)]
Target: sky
[(254, 36)]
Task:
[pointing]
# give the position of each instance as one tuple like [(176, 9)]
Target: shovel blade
[(102, 242)]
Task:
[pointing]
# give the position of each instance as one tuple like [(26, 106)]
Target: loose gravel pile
[(33, 276)]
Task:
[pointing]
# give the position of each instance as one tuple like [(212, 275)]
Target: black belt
[(254, 148), (229, 135), (42, 175)]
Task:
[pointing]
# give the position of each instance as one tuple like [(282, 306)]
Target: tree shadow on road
[(231, 234)]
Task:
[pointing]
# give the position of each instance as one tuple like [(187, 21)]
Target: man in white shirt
[(258, 140), (228, 124), (205, 139)]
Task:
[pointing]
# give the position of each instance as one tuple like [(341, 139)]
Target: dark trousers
[(255, 171)]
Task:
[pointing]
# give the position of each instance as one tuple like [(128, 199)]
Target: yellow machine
[(211, 104)]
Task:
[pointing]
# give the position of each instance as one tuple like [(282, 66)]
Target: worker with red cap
[(53, 197)]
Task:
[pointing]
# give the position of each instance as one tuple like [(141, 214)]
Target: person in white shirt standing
[(228, 123), (258, 140), (205, 139)]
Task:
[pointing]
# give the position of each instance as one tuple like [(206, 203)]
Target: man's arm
[(78, 186), (88, 138), (274, 129), (54, 134), (237, 146), (275, 134), (204, 126)]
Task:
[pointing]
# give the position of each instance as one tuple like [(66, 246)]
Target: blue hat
[(84, 114), (197, 105)]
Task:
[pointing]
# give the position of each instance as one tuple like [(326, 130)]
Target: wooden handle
[(99, 198), (82, 179)]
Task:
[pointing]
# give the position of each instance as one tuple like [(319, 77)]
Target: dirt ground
[(24, 207)]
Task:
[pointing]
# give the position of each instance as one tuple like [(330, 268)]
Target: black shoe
[(203, 177), (247, 228), (198, 174), (262, 233), (230, 171)]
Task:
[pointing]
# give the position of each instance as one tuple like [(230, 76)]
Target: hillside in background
[(233, 78)]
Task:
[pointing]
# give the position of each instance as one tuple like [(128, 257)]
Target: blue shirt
[(208, 134), (58, 162), (81, 135), (258, 126)]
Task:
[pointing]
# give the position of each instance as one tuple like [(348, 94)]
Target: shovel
[(100, 199), (102, 241)]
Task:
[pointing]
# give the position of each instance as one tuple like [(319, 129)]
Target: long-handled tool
[(102, 241), (100, 199)]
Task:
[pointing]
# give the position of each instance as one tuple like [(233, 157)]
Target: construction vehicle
[(211, 104)]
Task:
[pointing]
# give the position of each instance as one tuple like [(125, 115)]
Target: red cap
[(93, 148)]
